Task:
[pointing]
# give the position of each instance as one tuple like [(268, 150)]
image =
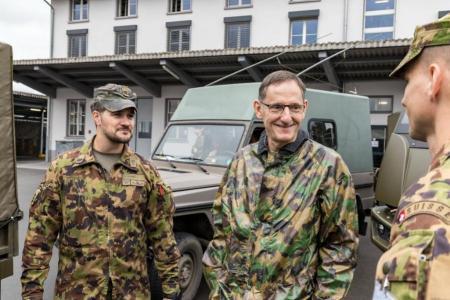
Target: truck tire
[(190, 264)]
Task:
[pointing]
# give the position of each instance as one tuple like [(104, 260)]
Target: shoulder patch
[(437, 209)]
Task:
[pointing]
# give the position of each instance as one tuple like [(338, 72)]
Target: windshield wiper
[(197, 163), (191, 158), (168, 158)]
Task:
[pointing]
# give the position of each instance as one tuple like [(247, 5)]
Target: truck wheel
[(190, 264)]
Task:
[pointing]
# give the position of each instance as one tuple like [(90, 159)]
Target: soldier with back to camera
[(417, 264)]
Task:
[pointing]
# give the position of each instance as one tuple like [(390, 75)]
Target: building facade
[(127, 36)]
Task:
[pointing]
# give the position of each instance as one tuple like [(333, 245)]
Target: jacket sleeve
[(216, 252), (43, 228), (159, 226), (338, 234)]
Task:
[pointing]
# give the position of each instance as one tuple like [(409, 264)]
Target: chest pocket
[(406, 265), (80, 221), (134, 186)]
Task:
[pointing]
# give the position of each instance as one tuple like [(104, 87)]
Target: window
[(125, 39), (323, 131), (380, 104), (379, 19), (77, 42), (378, 144), (79, 10), (179, 6), (237, 32), (171, 106), (76, 116), (303, 27), (178, 35), (443, 13), (126, 8), (238, 3)]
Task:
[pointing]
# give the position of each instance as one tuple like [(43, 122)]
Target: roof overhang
[(364, 60)]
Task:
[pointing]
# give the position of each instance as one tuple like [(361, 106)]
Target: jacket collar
[(128, 159), (290, 148), (441, 156)]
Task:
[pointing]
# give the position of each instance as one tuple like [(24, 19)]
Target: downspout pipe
[(52, 27), (345, 29)]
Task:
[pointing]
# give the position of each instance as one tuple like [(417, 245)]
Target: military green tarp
[(8, 192)]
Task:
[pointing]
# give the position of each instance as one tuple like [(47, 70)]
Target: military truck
[(9, 209), (404, 162), (212, 123)]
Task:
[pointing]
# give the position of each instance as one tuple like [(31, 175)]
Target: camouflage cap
[(114, 97), (433, 34)]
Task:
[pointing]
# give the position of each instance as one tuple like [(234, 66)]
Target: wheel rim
[(186, 270)]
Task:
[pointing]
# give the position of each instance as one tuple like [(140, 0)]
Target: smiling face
[(116, 127), (281, 128)]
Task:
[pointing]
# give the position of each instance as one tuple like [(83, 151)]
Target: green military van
[(9, 209), (212, 123)]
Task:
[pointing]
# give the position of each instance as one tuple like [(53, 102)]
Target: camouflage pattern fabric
[(285, 226), (417, 265), (434, 34), (105, 222)]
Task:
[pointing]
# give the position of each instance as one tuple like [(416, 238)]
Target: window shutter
[(185, 39), (132, 42), (244, 35)]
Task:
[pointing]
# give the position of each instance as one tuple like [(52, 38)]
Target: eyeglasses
[(279, 108)]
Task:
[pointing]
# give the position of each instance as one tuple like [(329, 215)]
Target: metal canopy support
[(254, 72), (40, 87), (81, 88), (148, 85), (330, 72), (178, 73)]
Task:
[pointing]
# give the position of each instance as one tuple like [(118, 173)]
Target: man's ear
[(96, 115), (436, 74), (257, 108), (305, 103)]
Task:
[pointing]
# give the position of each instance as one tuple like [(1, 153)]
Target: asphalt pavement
[(30, 173)]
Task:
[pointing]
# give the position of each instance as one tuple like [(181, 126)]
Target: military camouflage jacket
[(105, 221), (417, 265), (285, 225)]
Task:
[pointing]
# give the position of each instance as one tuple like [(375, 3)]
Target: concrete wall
[(379, 88), (269, 26)]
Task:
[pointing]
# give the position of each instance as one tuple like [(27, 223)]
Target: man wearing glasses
[(285, 215)]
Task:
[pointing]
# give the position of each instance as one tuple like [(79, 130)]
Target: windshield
[(200, 143)]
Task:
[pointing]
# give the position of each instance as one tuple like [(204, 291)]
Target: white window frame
[(72, 11), (382, 12), (80, 118), (227, 5), (304, 33), (182, 8), (119, 2), (71, 38), (128, 45), (169, 113)]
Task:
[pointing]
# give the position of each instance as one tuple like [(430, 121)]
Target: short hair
[(97, 106), (279, 77)]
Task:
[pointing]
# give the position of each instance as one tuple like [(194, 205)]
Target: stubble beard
[(113, 138)]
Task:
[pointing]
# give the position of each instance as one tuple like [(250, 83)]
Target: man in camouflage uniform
[(106, 205), (285, 215), (417, 264)]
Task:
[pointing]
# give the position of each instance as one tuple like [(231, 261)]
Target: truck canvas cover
[(8, 192)]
